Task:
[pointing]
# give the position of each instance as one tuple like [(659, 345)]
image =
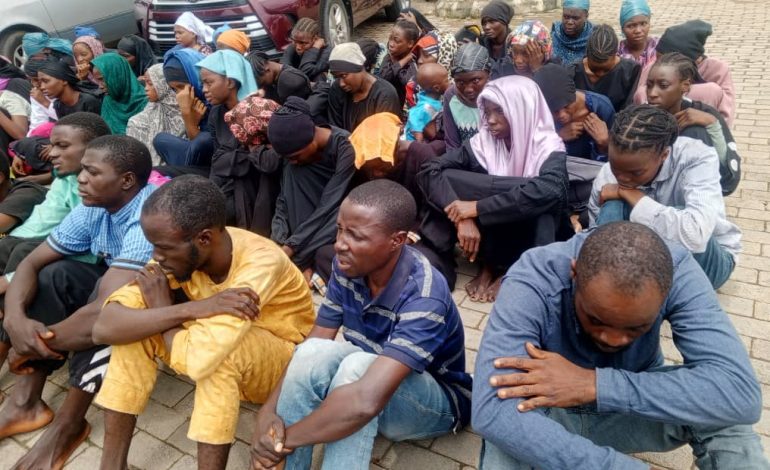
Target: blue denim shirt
[(716, 386)]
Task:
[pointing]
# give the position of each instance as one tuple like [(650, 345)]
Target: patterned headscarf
[(248, 119), (471, 57), (158, 116), (531, 30), (442, 46), (96, 46)]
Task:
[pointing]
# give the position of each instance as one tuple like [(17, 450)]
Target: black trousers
[(501, 244), (64, 287), (15, 249)]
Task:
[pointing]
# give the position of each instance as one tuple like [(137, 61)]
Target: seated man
[(245, 306), (68, 144), (17, 197), (570, 371), (402, 368), (669, 184), (52, 303)]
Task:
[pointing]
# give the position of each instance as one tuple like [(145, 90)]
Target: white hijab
[(195, 25)]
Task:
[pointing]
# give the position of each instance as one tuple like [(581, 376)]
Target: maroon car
[(267, 22)]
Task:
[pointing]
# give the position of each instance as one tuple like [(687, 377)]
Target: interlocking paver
[(746, 298)]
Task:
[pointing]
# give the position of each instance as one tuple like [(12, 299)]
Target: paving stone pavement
[(160, 442)]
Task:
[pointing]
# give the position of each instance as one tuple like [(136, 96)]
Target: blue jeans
[(733, 447), (419, 409), (177, 151), (716, 262)]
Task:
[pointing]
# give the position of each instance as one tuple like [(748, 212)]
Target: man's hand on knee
[(546, 380)]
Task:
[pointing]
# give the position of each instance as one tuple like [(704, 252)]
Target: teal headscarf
[(34, 43), (631, 8), (232, 65), (125, 95), (579, 4)]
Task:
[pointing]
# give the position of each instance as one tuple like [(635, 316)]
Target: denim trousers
[(419, 409), (716, 262), (728, 448), (177, 151)]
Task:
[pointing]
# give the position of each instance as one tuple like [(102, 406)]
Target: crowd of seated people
[(183, 209)]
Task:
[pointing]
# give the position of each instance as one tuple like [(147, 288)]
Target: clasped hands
[(462, 214)]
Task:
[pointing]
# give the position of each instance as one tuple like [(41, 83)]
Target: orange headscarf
[(376, 137), (236, 40)]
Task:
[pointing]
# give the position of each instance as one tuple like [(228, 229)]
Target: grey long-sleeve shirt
[(716, 386)]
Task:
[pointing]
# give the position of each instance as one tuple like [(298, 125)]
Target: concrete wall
[(472, 8)]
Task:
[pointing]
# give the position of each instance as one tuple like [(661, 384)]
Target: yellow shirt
[(286, 306)]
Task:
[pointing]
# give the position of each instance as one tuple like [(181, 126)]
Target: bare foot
[(55, 446), (490, 295), (479, 284), (16, 419)]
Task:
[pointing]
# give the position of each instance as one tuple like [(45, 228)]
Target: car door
[(112, 18)]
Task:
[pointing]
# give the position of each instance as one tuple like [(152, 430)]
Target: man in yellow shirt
[(223, 306)]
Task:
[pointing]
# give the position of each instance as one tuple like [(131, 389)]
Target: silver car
[(112, 19)]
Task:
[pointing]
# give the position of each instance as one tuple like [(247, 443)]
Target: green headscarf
[(125, 95)]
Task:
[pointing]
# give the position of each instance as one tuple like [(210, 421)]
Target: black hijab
[(8, 70), (59, 70), (137, 47)]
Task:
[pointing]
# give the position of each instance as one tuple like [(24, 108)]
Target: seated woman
[(317, 171), (124, 95), (529, 48), (374, 52), (689, 38), (191, 32), (227, 79), (381, 154), (42, 107), (582, 118), (86, 49), (308, 51), (59, 83), (9, 71), (603, 72), (137, 52), (15, 112), (433, 47), (399, 65), (233, 39), (668, 82), (470, 71), (42, 46), (161, 114), (194, 149), (638, 45), (255, 171), (278, 81), (669, 184), (570, 35), (502, 192), (356, 94), (495, 19)]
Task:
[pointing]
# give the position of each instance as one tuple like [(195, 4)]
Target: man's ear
[(128, 181), (204, 237), (573, 270), (399, 239)]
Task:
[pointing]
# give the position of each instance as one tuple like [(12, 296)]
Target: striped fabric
[(117, 238), (414, 321)]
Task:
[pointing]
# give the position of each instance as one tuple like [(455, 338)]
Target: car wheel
[(11, 47), (393, 10), (337, 22)]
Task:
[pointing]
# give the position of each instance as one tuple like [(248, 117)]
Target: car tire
[(337, 23), (393, 10), (11, 46)]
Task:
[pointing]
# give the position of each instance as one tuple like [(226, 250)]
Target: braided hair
[(258, 61), (685, 67), (641, 127), (602, 44), (307, 25)]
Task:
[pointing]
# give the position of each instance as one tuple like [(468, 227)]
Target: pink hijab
[(96, 46), (533, 137)]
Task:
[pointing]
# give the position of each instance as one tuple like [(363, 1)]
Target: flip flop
[(59, 464)]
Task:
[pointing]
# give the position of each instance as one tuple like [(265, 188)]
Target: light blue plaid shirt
[(117, 238)]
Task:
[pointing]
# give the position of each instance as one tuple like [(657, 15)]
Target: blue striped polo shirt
[(414, 320), (117, 238)]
